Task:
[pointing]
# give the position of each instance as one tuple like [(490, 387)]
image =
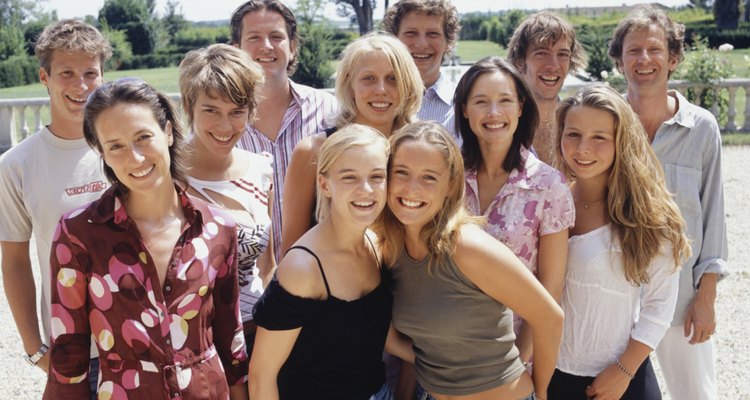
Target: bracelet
[(624, 370)]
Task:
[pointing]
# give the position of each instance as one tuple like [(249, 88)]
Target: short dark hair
[(524, 134), (235, 25), (544, 28), (135, 91)]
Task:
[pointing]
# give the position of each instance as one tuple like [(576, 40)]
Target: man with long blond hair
[(647, 47)]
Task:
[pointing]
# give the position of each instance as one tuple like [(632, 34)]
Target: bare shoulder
[(373, 238), (476, 249), (299, 274)]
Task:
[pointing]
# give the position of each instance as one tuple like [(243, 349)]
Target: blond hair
[(408, 81), (441, 233), (219, 70), (643, 214), (71, 36), (351, 136)]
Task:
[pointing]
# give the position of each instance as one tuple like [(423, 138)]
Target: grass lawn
[(471, 51)]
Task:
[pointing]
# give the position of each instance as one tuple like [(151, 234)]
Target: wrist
[(33, 359), (624, 370)]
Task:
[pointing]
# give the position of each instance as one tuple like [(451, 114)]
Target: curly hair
[(644, 216), (444, 8)]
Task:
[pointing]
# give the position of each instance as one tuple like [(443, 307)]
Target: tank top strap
[(320, 266)]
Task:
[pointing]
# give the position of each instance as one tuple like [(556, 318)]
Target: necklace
[(586, 205)]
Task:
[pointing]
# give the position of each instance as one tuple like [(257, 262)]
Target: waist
[(519, 388)]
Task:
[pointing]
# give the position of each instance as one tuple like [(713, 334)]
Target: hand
[(44, 363), (610, 384), (701, 315)]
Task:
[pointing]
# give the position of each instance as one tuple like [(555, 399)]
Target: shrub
[(315, 55), (122, 53), (595, 40), (18, 71)]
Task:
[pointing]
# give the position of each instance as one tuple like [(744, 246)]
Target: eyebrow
[(134, 133)]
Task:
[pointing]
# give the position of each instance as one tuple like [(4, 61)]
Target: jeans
[(383, 394), (424, 395)]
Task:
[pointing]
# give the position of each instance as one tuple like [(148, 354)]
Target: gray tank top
[(463, 339)]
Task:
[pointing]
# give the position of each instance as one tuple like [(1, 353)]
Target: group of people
[(404, 238)]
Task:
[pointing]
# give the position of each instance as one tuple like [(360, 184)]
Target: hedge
[(19, 71)]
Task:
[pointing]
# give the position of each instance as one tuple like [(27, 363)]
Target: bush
[(122, 53), (18, 71), (739, 38), (11, 42), (595, 40), (315, 55), (157, 60), (705, 67)]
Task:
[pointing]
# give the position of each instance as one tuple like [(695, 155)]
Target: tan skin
[(492, 99), (71, 76), (647, 48), (419, 174)]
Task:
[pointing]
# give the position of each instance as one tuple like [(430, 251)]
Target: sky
[(209, 10)]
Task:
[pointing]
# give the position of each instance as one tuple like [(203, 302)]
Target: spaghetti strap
[(320, 266)]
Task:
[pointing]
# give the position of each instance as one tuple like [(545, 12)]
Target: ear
[(325, 189), (520, 109), (44, 77), (672, 63), (168, 132)]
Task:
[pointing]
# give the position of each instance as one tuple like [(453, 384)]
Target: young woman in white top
[(218, 85), (627, 243)]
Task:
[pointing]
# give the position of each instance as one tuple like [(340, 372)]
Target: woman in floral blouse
[(527, 203), (148, 271)]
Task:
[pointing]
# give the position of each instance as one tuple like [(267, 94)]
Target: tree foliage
[(727, 13), (135, 19)]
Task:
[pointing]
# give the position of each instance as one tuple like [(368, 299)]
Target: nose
[(554, 63), (584, 146), (224, 124), (380, 86), (421, 41), (267, 43), (136, 156), (643, 56)]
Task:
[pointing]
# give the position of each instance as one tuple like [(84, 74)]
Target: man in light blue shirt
[(647, 46), (429, 29)]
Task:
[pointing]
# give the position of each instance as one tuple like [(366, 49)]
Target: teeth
[(421, 56), (143, 173), (644, 71), (584, 162), (265, 59), (222, 138), (363, 203), (380, 105), (495, 125), (412, 204), (549, 78), (76, 100)]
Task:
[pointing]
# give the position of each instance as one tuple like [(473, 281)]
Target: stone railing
[(21, 117)]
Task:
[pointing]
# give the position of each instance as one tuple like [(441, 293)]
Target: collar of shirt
[(443, 89), (110, 208), (683, 116)]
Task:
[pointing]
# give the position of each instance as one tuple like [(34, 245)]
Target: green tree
[(727, 14), (173, 20), (595, 40), (135, 19)]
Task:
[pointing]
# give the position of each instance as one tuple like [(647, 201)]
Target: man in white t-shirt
[(48, 174)]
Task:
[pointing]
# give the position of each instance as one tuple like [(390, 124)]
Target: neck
[(493, 158), (66, 130), (155, 205), (206, 164), (413, 244), (546, 109), (342, 234), (274, 91), (431, 81), (652, 106), (590, 191)]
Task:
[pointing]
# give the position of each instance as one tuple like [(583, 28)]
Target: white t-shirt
[(603, 310), (41, 178)]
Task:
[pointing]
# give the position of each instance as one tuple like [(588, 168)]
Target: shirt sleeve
[(715, 249), (559, 211), (279, 310), (71, 334), (229, 337), (15, 221), (658, 300)]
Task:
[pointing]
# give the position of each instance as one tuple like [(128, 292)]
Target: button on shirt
[(310, 111), (183, 342)]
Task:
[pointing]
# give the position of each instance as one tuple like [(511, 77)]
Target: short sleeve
[(559, 211), (15, 221), (279, 310)]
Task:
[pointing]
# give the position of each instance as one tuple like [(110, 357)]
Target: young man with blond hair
[(49, 173)]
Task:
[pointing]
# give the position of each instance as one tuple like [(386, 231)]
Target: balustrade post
[(7, 128)]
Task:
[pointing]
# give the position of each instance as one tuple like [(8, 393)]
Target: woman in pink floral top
[(527, 203), (148, 271)]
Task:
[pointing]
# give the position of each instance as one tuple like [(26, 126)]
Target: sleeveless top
[(338, 353), (250, 191), (463, 338)]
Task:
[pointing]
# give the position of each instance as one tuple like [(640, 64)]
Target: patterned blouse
[(184, 341), (535, 201)]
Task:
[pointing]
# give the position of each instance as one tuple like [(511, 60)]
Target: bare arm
[(498, 273), (399, 345), (299, 193), (552, 261), (18, 280), (270, 352)]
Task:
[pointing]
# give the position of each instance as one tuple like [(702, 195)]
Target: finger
[(688, 324)]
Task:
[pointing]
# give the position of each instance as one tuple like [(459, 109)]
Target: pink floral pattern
[(535, 201), (183, 340)]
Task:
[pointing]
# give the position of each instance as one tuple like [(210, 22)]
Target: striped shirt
[(437, 104), (310, 111)]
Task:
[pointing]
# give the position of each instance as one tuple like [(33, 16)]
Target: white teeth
[(496, 125), (222, 138), (76, 100), (412, 204), (265, 59), (644, 71), (363, 203), (421, 56), (584, 162), (549, 78), (380, 105), (143, 173)]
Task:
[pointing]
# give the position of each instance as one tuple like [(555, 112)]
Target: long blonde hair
[(441, 234), (643, 214)]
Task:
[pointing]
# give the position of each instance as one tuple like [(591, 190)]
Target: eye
[(572, 134), (144, 137), (114, 147), (401, 172), (435, 34), (378, 177), (430, 178)]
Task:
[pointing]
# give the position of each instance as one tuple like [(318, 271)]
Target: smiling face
[(375, 92), (266, 40), (356, 184), (217, 124), (135, 147), (418, 184), (492, 109), (546, 66), (646, 61), (588, 143), (424, 37), (72, 77)]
